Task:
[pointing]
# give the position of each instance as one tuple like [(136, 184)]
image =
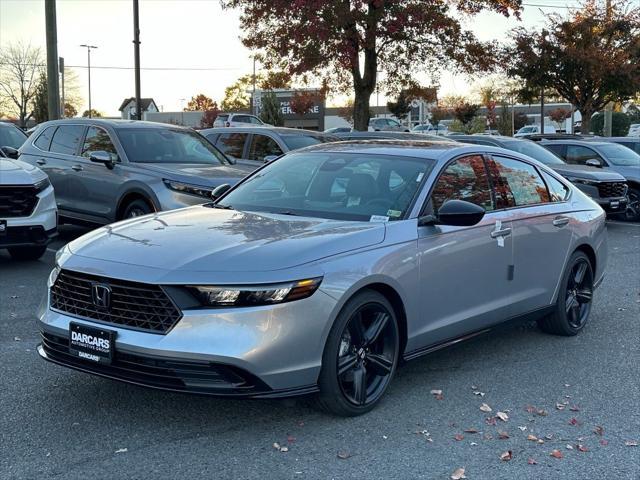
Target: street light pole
[(89, 47), (136, 58)]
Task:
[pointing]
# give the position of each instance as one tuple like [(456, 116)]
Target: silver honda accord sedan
[(324, 269)]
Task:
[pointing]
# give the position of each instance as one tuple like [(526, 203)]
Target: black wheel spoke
[(356, 329), (360, 384), (576, 315), (379, 364), (346, 363), (571, 300), (376, 327), (584, 295), (580, 271)]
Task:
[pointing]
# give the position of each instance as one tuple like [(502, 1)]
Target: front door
[(464, 271)]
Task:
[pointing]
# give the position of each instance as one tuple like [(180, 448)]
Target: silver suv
[(108, 170)]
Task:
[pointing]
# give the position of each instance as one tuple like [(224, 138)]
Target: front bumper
[(612, 205), (251, 352), (36, 229)]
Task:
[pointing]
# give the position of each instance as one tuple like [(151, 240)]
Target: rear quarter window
[(44, 139)]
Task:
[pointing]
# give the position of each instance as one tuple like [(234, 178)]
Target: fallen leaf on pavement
[(604, 442), (16, 339), (569, 447), (542, 413), (506, 456), (343, 455), (631, 443), (487, 436), (276, 445), (485, 408), (436, 392), (473, 443), (556, 454), (291, 438), (503, 435), (479, 393), (502, 416), (284, 449), (490, 420), (574, 421), (121, 450), (574, 408), (530, 409), (458, 474), (459, 437), (531, 461), (522, 429), (471, 430), (582, 448), (533, 438), (598, 430), (540, 441), (548, 436), (559, 406)]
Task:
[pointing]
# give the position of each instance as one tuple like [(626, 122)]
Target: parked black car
[(107, 170), (607, 188), (410, 136), (608, 156), (255, 145)]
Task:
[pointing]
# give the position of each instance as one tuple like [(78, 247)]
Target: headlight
[(42, 185), (584, 182), (188, 188), (253, 295)]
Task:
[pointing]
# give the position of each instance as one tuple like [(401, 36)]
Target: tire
[(137, 208), (364, 341), (575, 296), (632, 213), (27, 253)]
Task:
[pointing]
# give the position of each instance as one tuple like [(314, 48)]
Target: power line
[(111, 67), (568, 7)]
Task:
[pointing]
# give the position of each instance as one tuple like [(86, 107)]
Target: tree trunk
[(361, 110), (586, 120)]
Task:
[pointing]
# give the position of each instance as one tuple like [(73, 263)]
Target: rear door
[(262, 146), (71, 193), (542, 220), (232, 144)]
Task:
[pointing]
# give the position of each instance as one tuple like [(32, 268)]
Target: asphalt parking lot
[(579, 396)]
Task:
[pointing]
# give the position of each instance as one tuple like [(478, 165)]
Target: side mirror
[(219, 191), (457, 213), (270, 158), (593, 162), (10, 152), (100, 156)]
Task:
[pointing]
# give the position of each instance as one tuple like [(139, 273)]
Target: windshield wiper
[(220, 205), (287, 212)]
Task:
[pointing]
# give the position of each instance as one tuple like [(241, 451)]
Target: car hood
[(15, 172), (205, 175), (630, 173), (587, 173), (206, 239)]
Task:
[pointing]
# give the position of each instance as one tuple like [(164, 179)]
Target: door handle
[(42, 161), (560, 221), (505, 232), (77, 168)]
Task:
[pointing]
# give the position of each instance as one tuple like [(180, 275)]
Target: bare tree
[(20, 67)]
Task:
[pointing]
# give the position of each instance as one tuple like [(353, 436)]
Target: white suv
[(28, 213), (237, 120)]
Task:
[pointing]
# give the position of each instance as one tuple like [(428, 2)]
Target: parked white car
[(28, 213), (383, 124), (634, 130), (237, 120), (534, 130), (429, 129)]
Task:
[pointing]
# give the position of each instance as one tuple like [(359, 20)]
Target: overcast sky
[(181, 35)]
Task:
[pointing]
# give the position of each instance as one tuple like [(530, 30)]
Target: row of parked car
[(109, 170)]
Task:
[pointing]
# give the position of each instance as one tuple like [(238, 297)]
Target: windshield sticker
[(394, 213), (378, 218), (420, 175)]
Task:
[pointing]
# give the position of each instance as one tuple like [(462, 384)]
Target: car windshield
[(620, 155), (11, 137), (344, 186), (168, 145), (535, 151), (295, 142)]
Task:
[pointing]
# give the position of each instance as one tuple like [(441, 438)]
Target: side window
[(559, 150), (254, 120), (558, 191), (262, 146), (392, 123), (232, 144), (465, 179), (578, 155), (98, 140), (66, 139), (240, 119), (44, 139), (516, 183)]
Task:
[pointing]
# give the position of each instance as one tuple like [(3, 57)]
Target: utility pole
[(608, 109), (61, 68), (253, 93), (89, 47), (542, 111), (136, 54), (53, 97)]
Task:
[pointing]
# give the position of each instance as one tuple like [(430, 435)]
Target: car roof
[(578, 141), (114, 123), (416, 148), (277, 130), (616, 139)]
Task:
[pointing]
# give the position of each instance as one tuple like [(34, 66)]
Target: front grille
[(17, 200), (133, 305), (181, 375), (612, 189)]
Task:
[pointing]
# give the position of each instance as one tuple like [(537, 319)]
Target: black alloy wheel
[(573, 305), (137, 208), (361, 355), (632, 213)]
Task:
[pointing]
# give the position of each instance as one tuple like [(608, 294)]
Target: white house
[(128, 107)]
